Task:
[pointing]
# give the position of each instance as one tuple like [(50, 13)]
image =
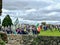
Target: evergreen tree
[(7, 21), (43, 23)]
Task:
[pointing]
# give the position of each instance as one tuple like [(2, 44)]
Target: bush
[(3, 36), (2, 42)]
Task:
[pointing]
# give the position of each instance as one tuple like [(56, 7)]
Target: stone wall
[(33, 40)]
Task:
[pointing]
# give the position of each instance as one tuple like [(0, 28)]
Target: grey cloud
[(41, 17), (14, 5), (49, 11), (24, 5), (46, 19), (38, 15)]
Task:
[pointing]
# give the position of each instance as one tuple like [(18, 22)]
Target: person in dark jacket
[(19, 31), (34, 30)]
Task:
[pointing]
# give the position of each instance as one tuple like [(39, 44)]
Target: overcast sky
[(32, 10)]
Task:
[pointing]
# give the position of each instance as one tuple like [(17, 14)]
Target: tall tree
[(43, 23), (7, 21)]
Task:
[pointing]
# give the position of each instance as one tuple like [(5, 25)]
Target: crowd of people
[(31, 29), (27, 29), (52, 27)]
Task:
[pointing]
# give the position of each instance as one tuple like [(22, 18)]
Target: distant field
[(49, 33)]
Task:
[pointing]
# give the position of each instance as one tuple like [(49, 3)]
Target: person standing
[(59, 28), (18, 31), (30, 32), (39, 29)]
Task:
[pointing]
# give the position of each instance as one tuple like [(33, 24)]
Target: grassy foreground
[(49, 33)]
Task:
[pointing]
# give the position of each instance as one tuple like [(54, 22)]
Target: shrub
[(2, 42), (3, 36)]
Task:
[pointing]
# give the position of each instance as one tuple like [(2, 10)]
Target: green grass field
[(49, 33)]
